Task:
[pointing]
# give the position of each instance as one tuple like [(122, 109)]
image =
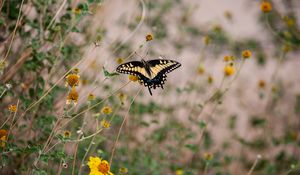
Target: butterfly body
[(150, 73)]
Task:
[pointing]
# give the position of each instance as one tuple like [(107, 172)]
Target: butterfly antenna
[(150, 90)]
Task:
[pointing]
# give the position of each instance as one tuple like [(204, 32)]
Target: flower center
[(103, 167)]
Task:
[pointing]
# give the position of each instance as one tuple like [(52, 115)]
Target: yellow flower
[(3, 137), (261, 84), (228, 58), (179, 172), (210, 79), (105, 123), (77, 11), (106, 110), (229, 70), (228, 15), (149, 37), (265, 7), (286, 48), (123, 170), (120, 60), (289, 21), (12, 108), (246, 53), (133, 78), (3, 64), (91, 97), (72, 80), (72, 97), (208, 156), (67, 134), (122, 97), (201, 69), (98, 166), (206, 40)]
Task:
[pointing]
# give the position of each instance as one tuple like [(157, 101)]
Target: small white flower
[(8, 86)]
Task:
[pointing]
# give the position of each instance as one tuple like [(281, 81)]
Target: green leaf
[(202, 124), (192, 147), (108, 74)]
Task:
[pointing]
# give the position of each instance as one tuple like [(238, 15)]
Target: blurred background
[(231, 108)]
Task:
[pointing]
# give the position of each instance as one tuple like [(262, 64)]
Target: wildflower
[(77, 11), (106, 110), (228, 58), (289, 21), (72, 97), (201, 69), (3, 64), (120, 60), (229, 70), (3, 137), (91, 97), (123, 170), (210, 79), (274, 88), (97, 43), (261, 84), (208, 156), (228, 15), (122, 97), (65, 165), (105, 123), (149, 37), (206, 40), (265, 7), (133, 78), (12, 108), (217, 28), (179, 172), (246, 53), (67, 134), (286, 48), (8, 86), (98, 166), (72, 80), (75, 70)]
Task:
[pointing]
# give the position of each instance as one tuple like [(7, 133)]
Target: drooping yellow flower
[(261, 84), (72, 80), (3, 137), (210, 79), (120, 60), (105, 123), (122, 97), (149, 37), (72, 97), (179, 172), (228, 15), (98, 166), (206, 40), (123, 170), (246, 54), (133, 78), (106, 110), (12, 108), (265, 7), (201, 69), (229, 70), (91, 97)]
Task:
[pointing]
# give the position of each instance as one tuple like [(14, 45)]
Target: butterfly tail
[(150, 90)]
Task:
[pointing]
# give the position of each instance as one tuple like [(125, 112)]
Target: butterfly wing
[(159, 68)]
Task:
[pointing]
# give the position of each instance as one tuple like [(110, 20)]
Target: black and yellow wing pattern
[(150, 73)]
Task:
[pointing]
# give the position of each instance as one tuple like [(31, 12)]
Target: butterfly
[(150, 73)]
